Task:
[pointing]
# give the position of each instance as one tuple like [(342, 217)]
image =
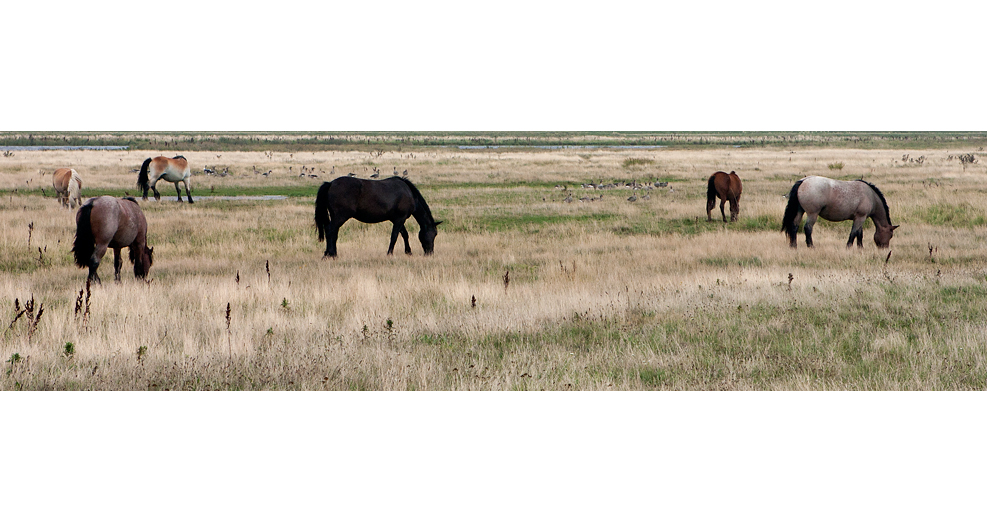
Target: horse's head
[(427, 237), (143, 264), (883, 236)]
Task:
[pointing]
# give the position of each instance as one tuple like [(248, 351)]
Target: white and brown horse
[(107, 222), (837, 201), (68, 186), (162, 168)]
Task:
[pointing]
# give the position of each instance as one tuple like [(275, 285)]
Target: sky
[(531, 65)]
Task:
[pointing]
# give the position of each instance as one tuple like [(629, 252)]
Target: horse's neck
[(878, 215), (421, 216)]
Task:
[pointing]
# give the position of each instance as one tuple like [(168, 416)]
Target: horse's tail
[(711, 190), (75, 189), (788, 224), (85, 240), (322, 209), (142, 180)]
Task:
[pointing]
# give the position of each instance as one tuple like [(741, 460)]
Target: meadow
[(525, 291)]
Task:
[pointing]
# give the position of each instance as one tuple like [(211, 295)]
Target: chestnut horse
[(370, 201), (727, 186), (107, 222), (68, 186), (172, 170), (837, 201)]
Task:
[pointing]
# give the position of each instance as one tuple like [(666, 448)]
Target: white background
[(491, 66), (512, 65)]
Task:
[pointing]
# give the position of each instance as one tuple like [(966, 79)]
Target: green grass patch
[(954, 215)]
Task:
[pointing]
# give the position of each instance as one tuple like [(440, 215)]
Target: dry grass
[(606, 294)]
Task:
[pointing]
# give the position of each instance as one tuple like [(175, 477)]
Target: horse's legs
[(722, 202), (117, 264), (796, 220), (734, 208), (179, 190), (809, 222), (188, 191), (154, 187), (332, 232), (404, 235), (710, 204), (394, 236), (857, 231), (98, 253)]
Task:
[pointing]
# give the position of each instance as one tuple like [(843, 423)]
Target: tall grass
[(603, 294)]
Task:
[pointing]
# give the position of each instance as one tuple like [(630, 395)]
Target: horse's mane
[(179, 157), (880, 195), (419, 200), (131, 199)]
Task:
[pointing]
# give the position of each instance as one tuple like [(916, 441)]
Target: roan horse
[(107, 222), (172, 170), (68, 186), (728, 187), (837, 201), (394, 199)]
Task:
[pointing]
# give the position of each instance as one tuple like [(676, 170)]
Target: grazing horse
[(837, 201), (107, 222), (68, 186), (172, 170), (727, 186), (394, 199)]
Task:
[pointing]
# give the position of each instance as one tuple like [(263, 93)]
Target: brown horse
[(173, 170), (68, 186), (107, 222), (727, 186)]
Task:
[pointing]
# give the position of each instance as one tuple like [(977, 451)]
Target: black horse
[(393, 199)]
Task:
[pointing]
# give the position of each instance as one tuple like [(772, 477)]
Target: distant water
[(561, 147), (37, 148)]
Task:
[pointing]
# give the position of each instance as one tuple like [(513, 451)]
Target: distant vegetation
[(403, 141)]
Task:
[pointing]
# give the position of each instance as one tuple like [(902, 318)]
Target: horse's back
[(172, 169), (371, 201), (833, 199), (728, 185), (116, 222), (736, 186), (60, 179)]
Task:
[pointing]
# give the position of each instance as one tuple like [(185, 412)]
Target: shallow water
[(37, 148)]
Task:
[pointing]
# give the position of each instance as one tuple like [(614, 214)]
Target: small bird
[(375, 176), (632, 198), (351, 174), (405, 173), (568, 199)]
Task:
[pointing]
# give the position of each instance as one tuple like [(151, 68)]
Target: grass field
[(601, 294)]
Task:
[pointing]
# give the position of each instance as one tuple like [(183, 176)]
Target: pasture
[(525, 291)]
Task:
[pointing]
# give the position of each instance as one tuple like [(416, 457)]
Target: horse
[(728, 187), (68, 186), (172, 170), (394, 199), (107, 222), (837, 201)]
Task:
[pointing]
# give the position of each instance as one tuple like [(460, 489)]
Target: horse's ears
[(437, 222), (894, 227)]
